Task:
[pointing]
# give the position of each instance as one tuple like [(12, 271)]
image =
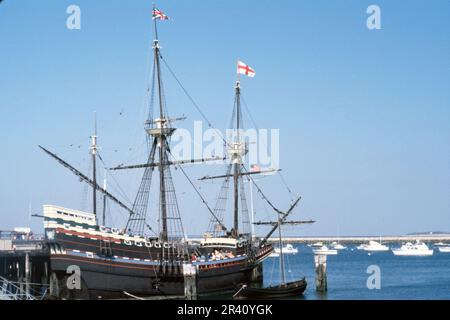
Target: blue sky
[(363, 114)]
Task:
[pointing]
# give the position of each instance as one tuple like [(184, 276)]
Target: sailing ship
[(283, 289), (116, 262)]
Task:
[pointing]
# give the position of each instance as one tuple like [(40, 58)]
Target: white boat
[(440, 244), (324, 250), (416, 249), (288, 249), (338, 246), (316, 245), (444, 249), (373, 246)]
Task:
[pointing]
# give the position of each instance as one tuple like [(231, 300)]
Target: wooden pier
[(25, 262)]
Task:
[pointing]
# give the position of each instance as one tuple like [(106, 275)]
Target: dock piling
[(257, 274), (320, 262), (190, 281), (27, 273)]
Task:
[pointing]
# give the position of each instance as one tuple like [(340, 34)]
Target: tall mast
[(158, 129), (161, 139), (237, 162), (94, 173)]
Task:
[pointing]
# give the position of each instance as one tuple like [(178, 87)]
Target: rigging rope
[(198, 192), (193, 101), (121, 191), (267, 147)]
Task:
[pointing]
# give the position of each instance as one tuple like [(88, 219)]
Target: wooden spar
[(283, 217), (242, 174), (168, 163), (87, 180)]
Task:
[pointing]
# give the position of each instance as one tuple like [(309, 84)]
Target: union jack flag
[(158, 14)]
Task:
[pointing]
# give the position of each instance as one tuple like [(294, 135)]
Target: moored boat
[(290, 289), (444, 249), (338, 246), (324, 250), (413, 249), (283, 289), (373, 246), (287, 249)]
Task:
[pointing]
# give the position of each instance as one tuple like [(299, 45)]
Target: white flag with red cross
[(242, 68)]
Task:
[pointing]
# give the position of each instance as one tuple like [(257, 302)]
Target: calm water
[(401, 277)]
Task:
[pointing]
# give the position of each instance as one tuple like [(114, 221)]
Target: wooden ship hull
[(113, 264), (107, 278)]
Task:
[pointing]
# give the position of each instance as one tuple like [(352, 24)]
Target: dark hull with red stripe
[(141, 270), (103, 277)]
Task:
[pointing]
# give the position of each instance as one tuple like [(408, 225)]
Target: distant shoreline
[(359, 239)]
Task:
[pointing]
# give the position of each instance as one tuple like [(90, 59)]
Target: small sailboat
[(284, 289), (417, 249)]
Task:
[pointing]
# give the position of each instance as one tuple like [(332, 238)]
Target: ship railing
[(13, 290)]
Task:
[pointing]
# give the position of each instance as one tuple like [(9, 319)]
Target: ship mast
[(161, 138), (159, 129), (237, 150), (277, 224), (237, 160), (94, 149)]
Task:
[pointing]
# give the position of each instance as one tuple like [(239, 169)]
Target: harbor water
[(403, 278)]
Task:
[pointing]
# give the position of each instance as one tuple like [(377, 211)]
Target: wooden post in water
[(190, 281), (27, 274), (257, 274), (320, 262)]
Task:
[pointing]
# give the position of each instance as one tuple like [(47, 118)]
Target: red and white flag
[(158, 14), (242, 68)]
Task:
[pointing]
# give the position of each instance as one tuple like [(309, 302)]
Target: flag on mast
[(158, 14), (243, 68)]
